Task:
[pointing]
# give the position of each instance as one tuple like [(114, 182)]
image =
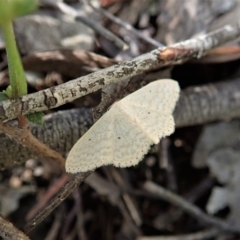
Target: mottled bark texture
[(56, 96), (60, 131), (9, 232), (197, 105)]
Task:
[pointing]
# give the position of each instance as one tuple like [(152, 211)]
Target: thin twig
[(127, 26), (174, 213), (56, 226), (25, 138), (9, 232), (80, 216), (59, 132), (129, 202), (69, 220), (197, 105), (64, 8), (61, 196), (189, 208), (166, 162), (52, 191), (206, 234), (67, 92)]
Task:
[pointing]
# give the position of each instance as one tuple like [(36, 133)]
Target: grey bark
[(56, 96), (10, 232), (60, 131), (197, 105)]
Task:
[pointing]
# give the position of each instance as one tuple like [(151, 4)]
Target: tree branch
[(64, 193), (64, 93), (188, 207), (60, 131), (197, 105), (9, 232)]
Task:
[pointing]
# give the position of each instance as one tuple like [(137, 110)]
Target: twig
[(206, 234), (189, 208), (66, 62), (166, 162), (72, 234), (9, 232), (131, 227), (174, 213), (68, 221), (129, 202), (197, 105), (64, 93), (59, 131), (80, 216), (64, 8), (127, 26), (56, 226), (52, 191), (61, 196), (25, 138), (207, 103)]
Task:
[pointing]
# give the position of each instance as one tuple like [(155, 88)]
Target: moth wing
[(130, 142), (124, 134), (94, 148), (160, 95)]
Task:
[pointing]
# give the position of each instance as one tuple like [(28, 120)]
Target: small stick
[(9, 232), (58, 95), (25, 138), (127, 26), (189, 208), (51, 191), (56, 226), (60, 197), (64, 8), (209, 233), (80, 215)]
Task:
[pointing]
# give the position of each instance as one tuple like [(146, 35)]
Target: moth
[(124, 134)]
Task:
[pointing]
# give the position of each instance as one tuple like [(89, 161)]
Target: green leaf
[(36, 118), (22, 7), (3, 96), (8, 91), (10, 9)]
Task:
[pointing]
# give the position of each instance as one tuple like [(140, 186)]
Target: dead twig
[(59, 132), (9, 232), (67, 62), (189, 208), (206, 234), (129, 202), (166, 219), (64, 93), (127, 26), (26, 138), (61, 196), (197, 105), (166, 162), (79, 213), (64, 8), (56, 226), (52, 191)]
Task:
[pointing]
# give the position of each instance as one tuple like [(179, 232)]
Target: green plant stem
[(16, 73)]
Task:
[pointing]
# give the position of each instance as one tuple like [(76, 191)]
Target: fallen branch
[(206, 234), (197, 105), (9, 232), (26, 139), (64, 93), (61, 196), (188, 207)]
